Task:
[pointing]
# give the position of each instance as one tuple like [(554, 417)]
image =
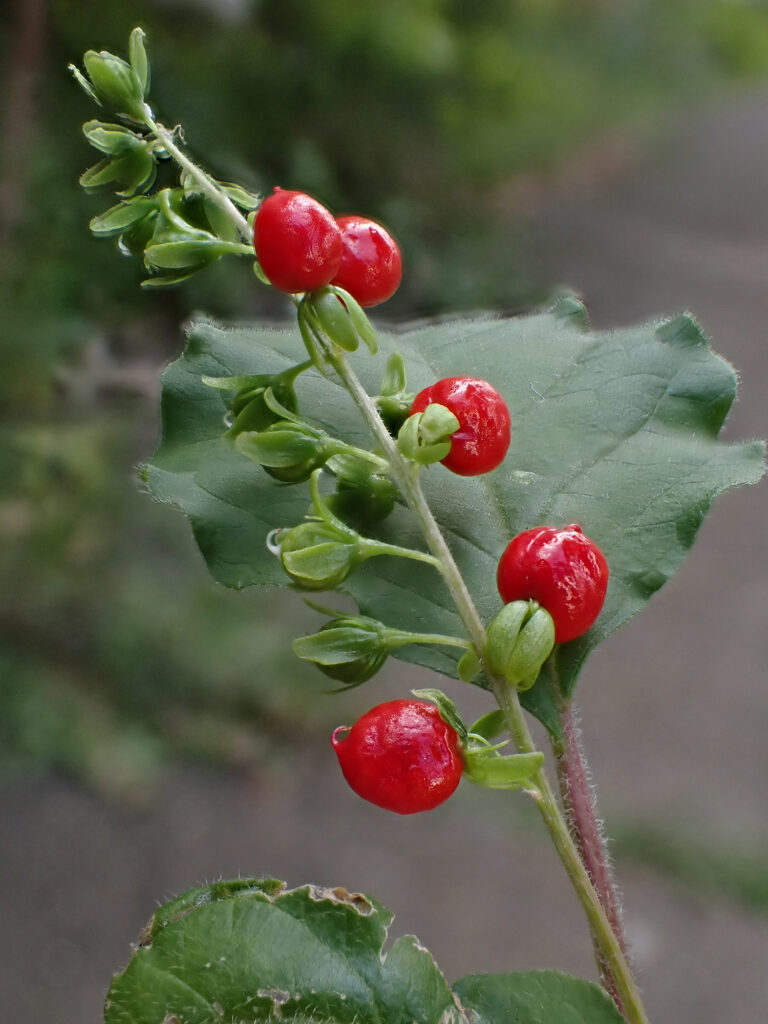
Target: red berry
[(563, 570), (482, 440), (401, 756), (371, 268), (297, 241)]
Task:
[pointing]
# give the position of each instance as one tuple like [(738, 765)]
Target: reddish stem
[(579, 805)]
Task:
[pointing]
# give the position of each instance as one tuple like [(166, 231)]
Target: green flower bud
[(317, 556), (331, 314), (115, 83), (520, 639), (288, 451), (249, 409), (350, 649), (364, 500)]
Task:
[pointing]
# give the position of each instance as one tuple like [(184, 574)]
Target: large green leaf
[(534, 997), (256, 951), (615, 431)]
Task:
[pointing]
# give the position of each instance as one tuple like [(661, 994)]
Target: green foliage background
[(115, 648)]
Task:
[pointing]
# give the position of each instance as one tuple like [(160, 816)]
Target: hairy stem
[(205, 183), (581, 814)]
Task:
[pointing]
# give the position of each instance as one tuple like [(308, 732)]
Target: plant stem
[(612, 956), (205, 183), (405, 475), (580, 811)]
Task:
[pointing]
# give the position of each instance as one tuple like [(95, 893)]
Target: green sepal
[(394, 380), (359, 318), (240, 196), (83, 82), (318, 556), (120, 218), (115, 84), (486, 767), (520, 639), (112, 139), (362, 497), (325, 306), (394, 402), (281, 445), (425, 442), (137, 55), (134, 170), (489, 726), (180, 255), (448, 710), (350, 649), (166, 280), (250, 407), (437, 424), (469, 666)]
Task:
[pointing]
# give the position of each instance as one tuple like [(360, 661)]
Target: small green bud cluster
[(178, 231), (121, 87)]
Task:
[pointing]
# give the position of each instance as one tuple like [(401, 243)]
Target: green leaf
[(534, 997), (255, 951), (615, 431), (448, 710)]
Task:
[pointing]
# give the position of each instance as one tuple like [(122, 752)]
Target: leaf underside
[(255, 951), (615, 431)]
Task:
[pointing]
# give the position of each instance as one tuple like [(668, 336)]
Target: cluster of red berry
[(402, 755), (300, 247)]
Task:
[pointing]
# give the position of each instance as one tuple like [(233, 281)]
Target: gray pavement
[(675, 706)]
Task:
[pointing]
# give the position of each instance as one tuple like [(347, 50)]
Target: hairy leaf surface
[(615, 431), (534, 997), (255, 951)]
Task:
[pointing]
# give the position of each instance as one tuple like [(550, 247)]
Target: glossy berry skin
[(482, 440), (563, 570), (297, 241), (401, 756), (371, 266)]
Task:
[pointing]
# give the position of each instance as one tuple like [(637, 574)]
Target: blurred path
[(676, 724)]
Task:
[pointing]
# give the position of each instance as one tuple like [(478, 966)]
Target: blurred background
[(155, 730)]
